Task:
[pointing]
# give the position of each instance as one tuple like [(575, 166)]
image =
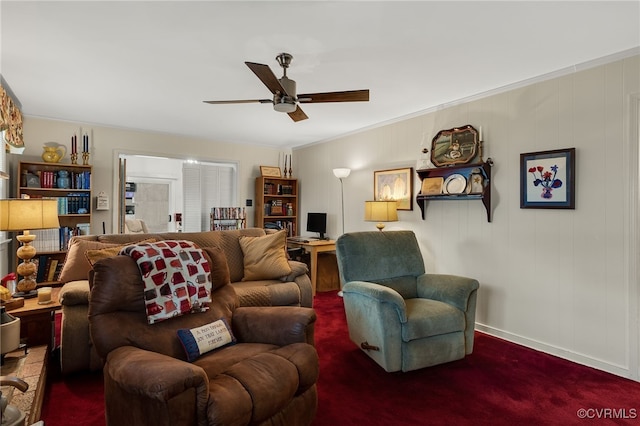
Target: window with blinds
[(206, 185)]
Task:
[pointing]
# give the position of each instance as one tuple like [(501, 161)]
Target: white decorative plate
[(455, 184)]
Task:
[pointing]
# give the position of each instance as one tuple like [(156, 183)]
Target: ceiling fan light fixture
[(284, 106)]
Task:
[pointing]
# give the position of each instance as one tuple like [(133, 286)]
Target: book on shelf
[(41, 261), (51, 270)]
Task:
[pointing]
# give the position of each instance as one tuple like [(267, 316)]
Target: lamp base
[(26, 294), (380, 226)]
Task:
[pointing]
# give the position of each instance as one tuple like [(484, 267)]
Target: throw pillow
[(200, 340), (265, 258), (76, 267), (219, 267), (94, 255), (76, 264)]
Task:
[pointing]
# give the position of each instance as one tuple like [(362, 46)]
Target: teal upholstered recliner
[(403, 318)]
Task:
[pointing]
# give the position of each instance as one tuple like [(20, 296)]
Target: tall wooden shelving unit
[(277, 204), (77, 196)]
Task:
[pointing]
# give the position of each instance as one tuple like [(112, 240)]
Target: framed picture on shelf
[(270, 171), (394, 184), (432, 186), (547, 179), (460, 145)]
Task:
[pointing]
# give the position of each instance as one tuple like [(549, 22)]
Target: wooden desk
[(36, 321), (313, 247)]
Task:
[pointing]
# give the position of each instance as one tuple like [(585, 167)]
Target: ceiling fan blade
[(264, 73), (298, 114), (346, 96), (245, 101)]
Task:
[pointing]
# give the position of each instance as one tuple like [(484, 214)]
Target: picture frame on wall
[(270, 171), (547, 179), (394, 184)]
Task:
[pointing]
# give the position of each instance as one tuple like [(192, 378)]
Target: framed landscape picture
[(547, 179), (395, 184)]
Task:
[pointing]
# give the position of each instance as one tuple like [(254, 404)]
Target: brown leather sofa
[(267, 378), (76, 353)]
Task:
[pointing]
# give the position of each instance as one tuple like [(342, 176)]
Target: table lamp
[(25, 215), (380, 211)]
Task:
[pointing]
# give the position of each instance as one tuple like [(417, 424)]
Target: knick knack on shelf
[(285, 166)]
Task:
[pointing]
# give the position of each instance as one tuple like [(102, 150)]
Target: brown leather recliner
[(267, 378)]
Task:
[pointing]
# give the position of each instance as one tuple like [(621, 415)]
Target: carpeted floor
[(499, 384)]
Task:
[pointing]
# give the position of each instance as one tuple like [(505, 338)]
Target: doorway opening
[(167, 188)]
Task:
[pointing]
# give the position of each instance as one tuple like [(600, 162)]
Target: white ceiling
[(149, 65)]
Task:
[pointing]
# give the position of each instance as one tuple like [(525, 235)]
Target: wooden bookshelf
[(42, 180), (277, 204)]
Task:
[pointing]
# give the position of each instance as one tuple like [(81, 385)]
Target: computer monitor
[(317, 222)]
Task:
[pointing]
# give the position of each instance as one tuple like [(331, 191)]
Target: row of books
[(48, 268), (277, 189), (76, 180), (228, 213), (227, 226), (74, 203), (57, 239), (289, 225)]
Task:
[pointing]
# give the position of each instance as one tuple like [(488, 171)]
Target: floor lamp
[(342, 173)]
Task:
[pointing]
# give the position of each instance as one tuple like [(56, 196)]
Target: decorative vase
[(63, 179), (53, 152)]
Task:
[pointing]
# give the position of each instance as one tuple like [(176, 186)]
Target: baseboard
[(618, 370)]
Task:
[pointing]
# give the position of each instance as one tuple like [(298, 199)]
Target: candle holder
[(85, 158), (74, 158)]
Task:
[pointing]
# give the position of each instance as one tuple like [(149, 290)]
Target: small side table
[(37, 321)]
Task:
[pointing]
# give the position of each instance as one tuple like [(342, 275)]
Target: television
[(317, 222)]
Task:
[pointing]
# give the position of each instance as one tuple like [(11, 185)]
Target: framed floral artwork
[(394, 184), (547, 179)]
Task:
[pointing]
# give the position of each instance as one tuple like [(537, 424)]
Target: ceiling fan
[(285, 98)]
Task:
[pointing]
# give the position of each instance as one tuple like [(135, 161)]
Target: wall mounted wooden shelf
[(446, 173)]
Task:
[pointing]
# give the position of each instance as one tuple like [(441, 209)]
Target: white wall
[(106, 142), (561, 281)]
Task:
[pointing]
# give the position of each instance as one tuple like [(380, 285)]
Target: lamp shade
[(341, 173), (381, 211), (27, 214)]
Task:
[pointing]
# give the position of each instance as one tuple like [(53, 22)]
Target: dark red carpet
[(499, 384)]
